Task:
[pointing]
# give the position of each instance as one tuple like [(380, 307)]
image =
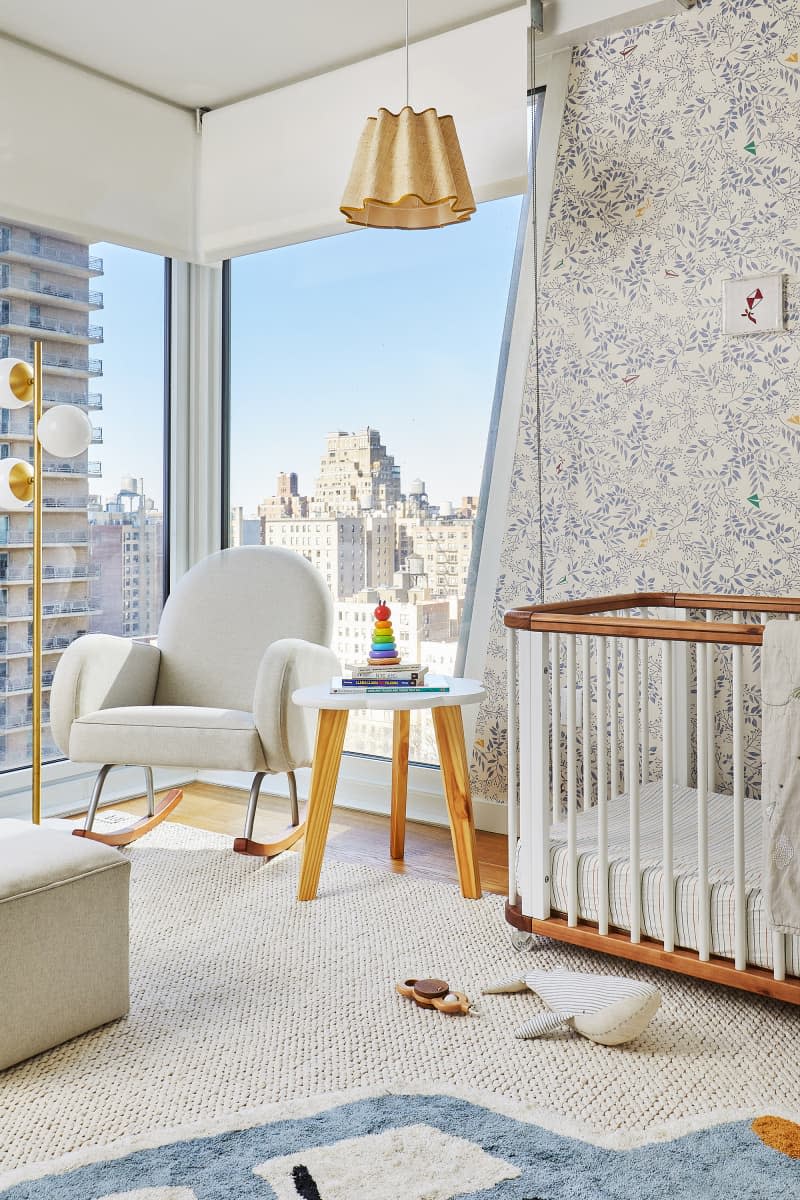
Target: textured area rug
[(418, 1147), (242, 997)]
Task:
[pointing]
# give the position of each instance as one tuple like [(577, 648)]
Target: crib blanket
[(780, 780)]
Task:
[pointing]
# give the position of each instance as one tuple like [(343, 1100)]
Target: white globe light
[(16, 383), (64, 431), (16, 484)]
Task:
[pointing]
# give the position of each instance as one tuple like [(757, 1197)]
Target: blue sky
[(133, 369), (396, 330)]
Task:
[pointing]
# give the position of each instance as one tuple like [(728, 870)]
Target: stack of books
[(402, 678)]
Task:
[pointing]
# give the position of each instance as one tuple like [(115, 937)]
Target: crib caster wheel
[(521, 940)]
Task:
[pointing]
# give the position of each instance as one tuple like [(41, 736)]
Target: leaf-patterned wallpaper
[(670, 454)]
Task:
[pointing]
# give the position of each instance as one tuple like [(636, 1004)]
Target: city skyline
[(376, 328)]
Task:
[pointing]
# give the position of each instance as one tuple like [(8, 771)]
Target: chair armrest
[(99, 671), (286, 731)]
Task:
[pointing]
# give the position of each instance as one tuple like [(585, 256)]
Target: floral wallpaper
[(670, 453)]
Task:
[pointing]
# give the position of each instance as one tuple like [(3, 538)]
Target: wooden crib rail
[(596, 616)]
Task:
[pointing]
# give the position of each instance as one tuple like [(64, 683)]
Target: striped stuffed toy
[(604, 1008)]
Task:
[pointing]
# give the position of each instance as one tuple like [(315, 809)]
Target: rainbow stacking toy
[(383, 652)]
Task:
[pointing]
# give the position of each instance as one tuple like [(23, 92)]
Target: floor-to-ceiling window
[(363, 371), (99, 312)]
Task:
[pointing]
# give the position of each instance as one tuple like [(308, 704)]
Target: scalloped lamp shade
[(408, 173)]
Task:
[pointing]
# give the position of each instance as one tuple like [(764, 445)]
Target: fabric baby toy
[(608, 1009)]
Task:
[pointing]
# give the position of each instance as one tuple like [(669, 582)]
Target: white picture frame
[(754, 304)]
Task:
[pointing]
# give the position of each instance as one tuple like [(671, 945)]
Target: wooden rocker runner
[(156, 813)]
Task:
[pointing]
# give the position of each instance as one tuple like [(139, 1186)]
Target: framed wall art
[(754, 304)]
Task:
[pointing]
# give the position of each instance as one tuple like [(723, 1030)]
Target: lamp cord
[(532, 172), (407, 90)]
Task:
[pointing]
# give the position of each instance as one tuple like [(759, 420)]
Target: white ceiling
[(199, 54)]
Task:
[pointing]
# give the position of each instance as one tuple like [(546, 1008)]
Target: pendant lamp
[(408, 171)]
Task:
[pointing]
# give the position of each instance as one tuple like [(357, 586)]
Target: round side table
[(449, 729)]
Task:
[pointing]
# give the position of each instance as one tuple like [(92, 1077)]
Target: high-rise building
[(46, 294), (334, 545), (356, 473), (126, 539)]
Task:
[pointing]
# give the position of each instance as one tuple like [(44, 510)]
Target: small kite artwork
[(753, 304)]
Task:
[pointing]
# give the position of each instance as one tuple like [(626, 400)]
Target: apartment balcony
[(52, 645), (74, 366), (65, 504), (94, 470), (71, 259), (18, 687), (66, 608), (94, 400), (12, 721), (71, 470), (14, 575), (64, 537), (76, 333), (21, 286)]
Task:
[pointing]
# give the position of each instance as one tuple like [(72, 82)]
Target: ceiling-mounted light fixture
[(408, 171)]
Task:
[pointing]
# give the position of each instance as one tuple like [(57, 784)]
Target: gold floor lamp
[(65, 431)]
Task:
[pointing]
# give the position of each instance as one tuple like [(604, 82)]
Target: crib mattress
[(687, 892)]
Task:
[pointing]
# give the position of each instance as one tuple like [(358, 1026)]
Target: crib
[(634, 774)]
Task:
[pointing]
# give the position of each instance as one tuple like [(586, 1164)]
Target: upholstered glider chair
[(240, 631)]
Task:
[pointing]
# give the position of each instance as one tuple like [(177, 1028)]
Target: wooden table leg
[(400, 737), (449, 730), (331, 728)]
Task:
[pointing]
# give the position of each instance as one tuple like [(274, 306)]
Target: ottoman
[(63, 937)]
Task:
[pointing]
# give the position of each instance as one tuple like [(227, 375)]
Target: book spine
[(363, 681), (384, 690)]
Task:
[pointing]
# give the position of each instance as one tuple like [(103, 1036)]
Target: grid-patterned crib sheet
[(720, 857)]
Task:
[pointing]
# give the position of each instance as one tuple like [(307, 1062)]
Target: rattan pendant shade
[(408, 173)]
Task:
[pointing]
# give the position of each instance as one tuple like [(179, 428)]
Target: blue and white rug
[(422, 1147)]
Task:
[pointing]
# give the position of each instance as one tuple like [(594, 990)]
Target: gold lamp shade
[(408, 173)]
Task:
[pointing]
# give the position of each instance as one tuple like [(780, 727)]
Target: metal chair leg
[(151, 794), (252, 804), (102, 775), (293, 797), (288, 836)]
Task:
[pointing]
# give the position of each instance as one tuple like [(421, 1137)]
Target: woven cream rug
[(241, 997)]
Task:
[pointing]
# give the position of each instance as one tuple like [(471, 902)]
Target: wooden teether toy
[(434, 993)]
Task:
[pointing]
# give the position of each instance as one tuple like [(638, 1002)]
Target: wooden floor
[(354, 837)]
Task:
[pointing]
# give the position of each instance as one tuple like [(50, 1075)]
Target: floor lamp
[(65, 431)]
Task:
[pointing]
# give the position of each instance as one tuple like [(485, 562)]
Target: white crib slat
[(644, 703), (668, 757), (555, 727), (614, 731), (513, 798), (572, 786), (628, 734), (633, 790), (704, 926), (711, 758), (602, 789), (778, 955), (739, 912), (534, 775), (586, 721)]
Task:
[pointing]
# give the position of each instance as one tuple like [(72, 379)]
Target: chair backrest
[(224, 613)]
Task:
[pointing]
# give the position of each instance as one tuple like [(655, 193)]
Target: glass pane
[(103, 525), (363, 371)]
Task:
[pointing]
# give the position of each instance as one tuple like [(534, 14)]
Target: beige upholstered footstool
[(63, 937)]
